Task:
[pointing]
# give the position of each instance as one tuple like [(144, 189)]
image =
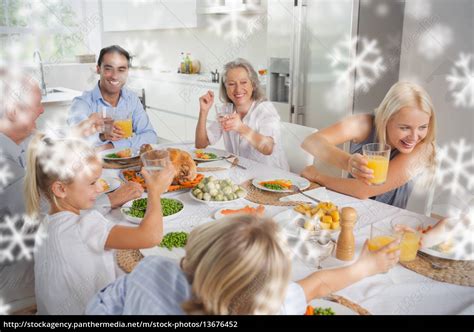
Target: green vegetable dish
[(112, 155), (168, 207), (274, 186), (320, 311), (174, 240)]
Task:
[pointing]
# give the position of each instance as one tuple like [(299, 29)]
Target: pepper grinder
[(345, 243)]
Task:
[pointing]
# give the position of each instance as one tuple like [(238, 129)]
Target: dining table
[(400, 291)]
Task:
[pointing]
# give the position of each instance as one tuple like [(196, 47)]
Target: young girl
[(252, 127), (405, 120), (237, 265), (75, 259)]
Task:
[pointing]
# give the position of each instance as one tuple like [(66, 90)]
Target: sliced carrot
[(309, 311), (247, 209)]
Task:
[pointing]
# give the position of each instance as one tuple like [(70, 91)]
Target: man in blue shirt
[(112, 66)]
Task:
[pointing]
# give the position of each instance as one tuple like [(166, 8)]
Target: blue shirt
[(157, 286), (92, 101)]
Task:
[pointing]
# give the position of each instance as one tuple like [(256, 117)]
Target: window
[(59, 29)]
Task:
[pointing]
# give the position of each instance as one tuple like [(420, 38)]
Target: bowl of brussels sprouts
[(217, 191)]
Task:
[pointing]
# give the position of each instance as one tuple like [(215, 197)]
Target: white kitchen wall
[(437, 34), (160, 49)]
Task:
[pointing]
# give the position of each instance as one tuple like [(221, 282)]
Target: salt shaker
[(345, 243)]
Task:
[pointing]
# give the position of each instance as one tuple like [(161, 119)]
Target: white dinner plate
[(113, 183), (175, 253), (219, 215), (218, 202), (137, 220), (103, 154), (219, 153), (338, 309), (456, 253), (300, 182)]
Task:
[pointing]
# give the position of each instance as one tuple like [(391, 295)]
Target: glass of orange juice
[(408, 227), (380, 237), (126, 126), (378, 156)]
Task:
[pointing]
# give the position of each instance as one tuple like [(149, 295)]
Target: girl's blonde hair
[(51, 160), (258, 94), (406, 94), (237, 265)]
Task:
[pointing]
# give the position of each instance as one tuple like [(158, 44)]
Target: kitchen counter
[(59, 95), (203, 80)]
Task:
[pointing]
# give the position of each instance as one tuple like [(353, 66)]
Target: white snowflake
[(456, 173), (382, 10), (4, 308), (367, 63), (230, 26), (5, 173), (461, 81), (18, 240), (418, 9), (433, 42)]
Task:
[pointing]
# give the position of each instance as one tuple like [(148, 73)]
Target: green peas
[(174, 240), (274, 186), (168, 207)]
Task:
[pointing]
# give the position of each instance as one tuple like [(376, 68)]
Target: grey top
[(397, 197)]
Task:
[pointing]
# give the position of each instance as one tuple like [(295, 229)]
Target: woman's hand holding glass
[(232, 123), (357, 167)]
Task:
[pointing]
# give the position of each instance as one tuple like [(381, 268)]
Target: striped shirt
[(157, 286)]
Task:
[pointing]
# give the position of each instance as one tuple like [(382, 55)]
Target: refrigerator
[(301, 35), (315, 57)]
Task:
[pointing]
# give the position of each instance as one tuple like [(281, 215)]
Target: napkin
[(318, 193)]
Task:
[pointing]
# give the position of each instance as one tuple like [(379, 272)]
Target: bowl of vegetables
[(134, 211), (217, 191)]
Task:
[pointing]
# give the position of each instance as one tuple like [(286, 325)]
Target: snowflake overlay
[(230, 26), (434, 42), (461, 81), (5, 173), (368, 64), (456, 173), (18, 241), (4, 309)]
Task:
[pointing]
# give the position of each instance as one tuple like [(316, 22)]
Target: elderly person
[(112, 66), (252, 127)]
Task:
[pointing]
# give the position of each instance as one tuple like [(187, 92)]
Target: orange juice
[(126, 126), (409, 246), (379, 164), (378, 242)]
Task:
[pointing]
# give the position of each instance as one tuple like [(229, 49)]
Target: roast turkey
[(182, 161)]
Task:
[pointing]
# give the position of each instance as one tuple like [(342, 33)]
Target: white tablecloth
[(400, 291)]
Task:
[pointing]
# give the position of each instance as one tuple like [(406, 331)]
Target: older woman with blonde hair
[(238, 265), (251, 128), (405, 120)]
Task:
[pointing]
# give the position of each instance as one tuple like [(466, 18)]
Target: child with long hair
[(76, 258), (237, 265)]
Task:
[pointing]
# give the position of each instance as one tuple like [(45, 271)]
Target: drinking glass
[(155, 160), (409, 230), (378, 156), (381, 236), (222, 112)]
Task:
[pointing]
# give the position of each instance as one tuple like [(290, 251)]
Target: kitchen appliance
[(300, 35)]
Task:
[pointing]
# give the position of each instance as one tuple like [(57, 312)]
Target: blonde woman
[(236, 266), (252, 128), (405, 120), (76, 257)]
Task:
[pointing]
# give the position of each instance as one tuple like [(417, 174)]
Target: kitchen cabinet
[(125, 15), (173, 106)]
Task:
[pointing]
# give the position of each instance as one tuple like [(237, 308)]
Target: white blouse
[(71, 262), (262, 118)]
